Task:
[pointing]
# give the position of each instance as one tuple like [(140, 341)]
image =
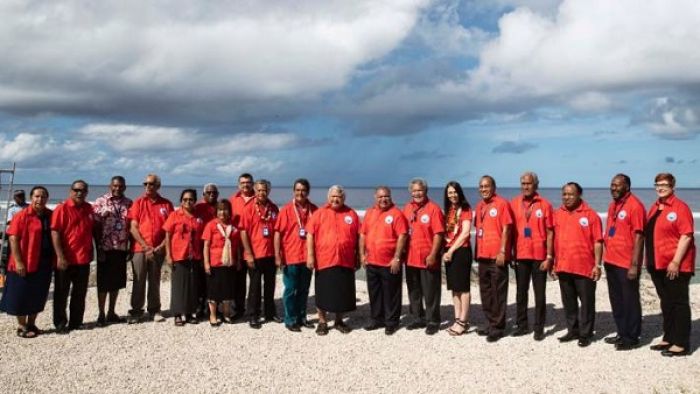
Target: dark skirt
[(26, 295), (184, 290), (458, 271), (220, 284), (335, 289), (111, 273)]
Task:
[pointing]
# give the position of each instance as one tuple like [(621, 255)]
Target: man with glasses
[(72, 226), (112, 247), (205, 209), (147, 216), (239, 201)]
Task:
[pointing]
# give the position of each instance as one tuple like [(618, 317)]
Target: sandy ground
[(159, 357)]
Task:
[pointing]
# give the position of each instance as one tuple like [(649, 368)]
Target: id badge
[(302, 233), (480, 233), (266, 231), (528, 232), (611, 232)]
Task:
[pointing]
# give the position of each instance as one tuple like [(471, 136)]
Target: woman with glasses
[(31, 259), (183, 252), (670, 253)]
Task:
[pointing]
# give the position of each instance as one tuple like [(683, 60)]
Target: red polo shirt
[(575, 235), (150, 217), (26, 226), (381, 230), (258, 221), (626, 218), (205, 211), (335, 236), (532, 219), (185, 235), (217, 241), (289, 222), (74, 225), (238, 204), (491, 218), (675, 219), (424, 222), (451, 236)]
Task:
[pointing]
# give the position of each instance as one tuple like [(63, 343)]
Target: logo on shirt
[(672, 216), (200, 221), (493, 212), (425, 218), (583, 222), (348, 219), (622, 214), (163, 211), (389, 219), (538, 213)]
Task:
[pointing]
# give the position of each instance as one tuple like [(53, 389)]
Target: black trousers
[(675, 306), (384, 290), (493, 288), (239, 286), (74, 281), (265, 271), (575, 288), (526, 270), (625, 303), (424, 285)]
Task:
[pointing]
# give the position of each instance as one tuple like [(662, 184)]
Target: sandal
[(216, 323), (461, 323), (228, 320), (179, 322), (26, 332)]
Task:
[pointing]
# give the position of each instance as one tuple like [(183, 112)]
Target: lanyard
[(414, 216), (482, 213), (528, 211), (268, 212), (616, 210), (296, 213)]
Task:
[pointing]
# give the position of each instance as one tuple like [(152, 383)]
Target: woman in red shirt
[(183, 252), (221, 242), (31, 260), (458, 254), (670, 253)]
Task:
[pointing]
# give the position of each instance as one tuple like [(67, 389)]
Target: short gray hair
[(337, 188), (418, 181), (265, 182), (533, 175), (210, 185), (156, 177), (382, 187)]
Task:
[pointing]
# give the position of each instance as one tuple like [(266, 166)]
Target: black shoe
[(660, 347), (432, 329), (493, 337), (482, 332), (322, 329), (570, 336), (293, 328), (273, 318), (307, 324), (237, 316), (668, 353), (520, 331), (390, 330), (538, 336), (254, 323), (342, 327), (101, 321), (76, 327), (374, 326), (113, 318), (133, 319), (584, 341), (626, 345), (62, 329), (416, 325), (613, 340)]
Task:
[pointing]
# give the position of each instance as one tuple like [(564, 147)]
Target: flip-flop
[(25, 332)]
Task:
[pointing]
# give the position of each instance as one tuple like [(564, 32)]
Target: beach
[(159, 357)]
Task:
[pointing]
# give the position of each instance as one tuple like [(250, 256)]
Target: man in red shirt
[(534, 249), (257, 236), (147, 215), (382, 240), (72, 227), (624, 243), (493, 228), (578, 249), (206, 209), (290, 254), (423, 276), (244, 197)]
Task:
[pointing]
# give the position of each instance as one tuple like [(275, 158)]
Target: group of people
[(214, 245)]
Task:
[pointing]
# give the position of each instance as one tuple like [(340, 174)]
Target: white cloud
[(129, 137), (224, 166), (671, 119), (25, 147)]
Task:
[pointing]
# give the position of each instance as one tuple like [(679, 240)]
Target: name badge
[(611, 232), (480, 233), (528, 232), (302, 233), (266, 231)]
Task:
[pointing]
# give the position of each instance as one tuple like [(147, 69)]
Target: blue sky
[(357, 93)]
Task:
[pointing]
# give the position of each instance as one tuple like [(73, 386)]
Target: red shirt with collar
[(627, 217), (381, 231), (575, 235), (256, 220), (74, 224), (335, 236), (537, 215), (185, 235), (424, 221), (150, 215), (238, 205), (26, 226), (205, 211), (675, 219), (451, 236), (216, 242), (490, 220), (289, 222)]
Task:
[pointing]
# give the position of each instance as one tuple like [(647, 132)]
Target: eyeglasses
[(78, 190), (149, 184), (662, 185)]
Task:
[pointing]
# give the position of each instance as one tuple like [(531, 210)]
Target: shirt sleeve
[(57, 219), (685, 223), (507, 216), (312, 225), (169, 224), (596, 227), (14, 229), (401, 224), (548, 216), (206, 233), (134, 212), (437, 221), (638, 219)]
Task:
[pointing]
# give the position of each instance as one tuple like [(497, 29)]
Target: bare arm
[(395, 267), (277, 243), (682, 248), (501, 256), (633, 272), (136, 234), (61, 264), (431, 261), (310, 254), (598, 255), (546, 265), (20, 267), (461, 239), (363, 250), (168, 256), (247, 250), (207, 262)]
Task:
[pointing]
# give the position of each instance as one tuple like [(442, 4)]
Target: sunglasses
[(78, 190), (149, 184)]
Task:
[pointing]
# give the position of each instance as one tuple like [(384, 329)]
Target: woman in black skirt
[(458, 254), (183, 252), (221, 242), (31, 260)]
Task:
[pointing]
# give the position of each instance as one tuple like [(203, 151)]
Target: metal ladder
[(3, 225)]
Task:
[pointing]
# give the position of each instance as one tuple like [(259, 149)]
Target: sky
[(357, 92)]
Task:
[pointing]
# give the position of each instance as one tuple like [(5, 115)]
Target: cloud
[(669, 118), (425, 155), (669, 159), (130, 137), (25, 147), (514, 147)]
